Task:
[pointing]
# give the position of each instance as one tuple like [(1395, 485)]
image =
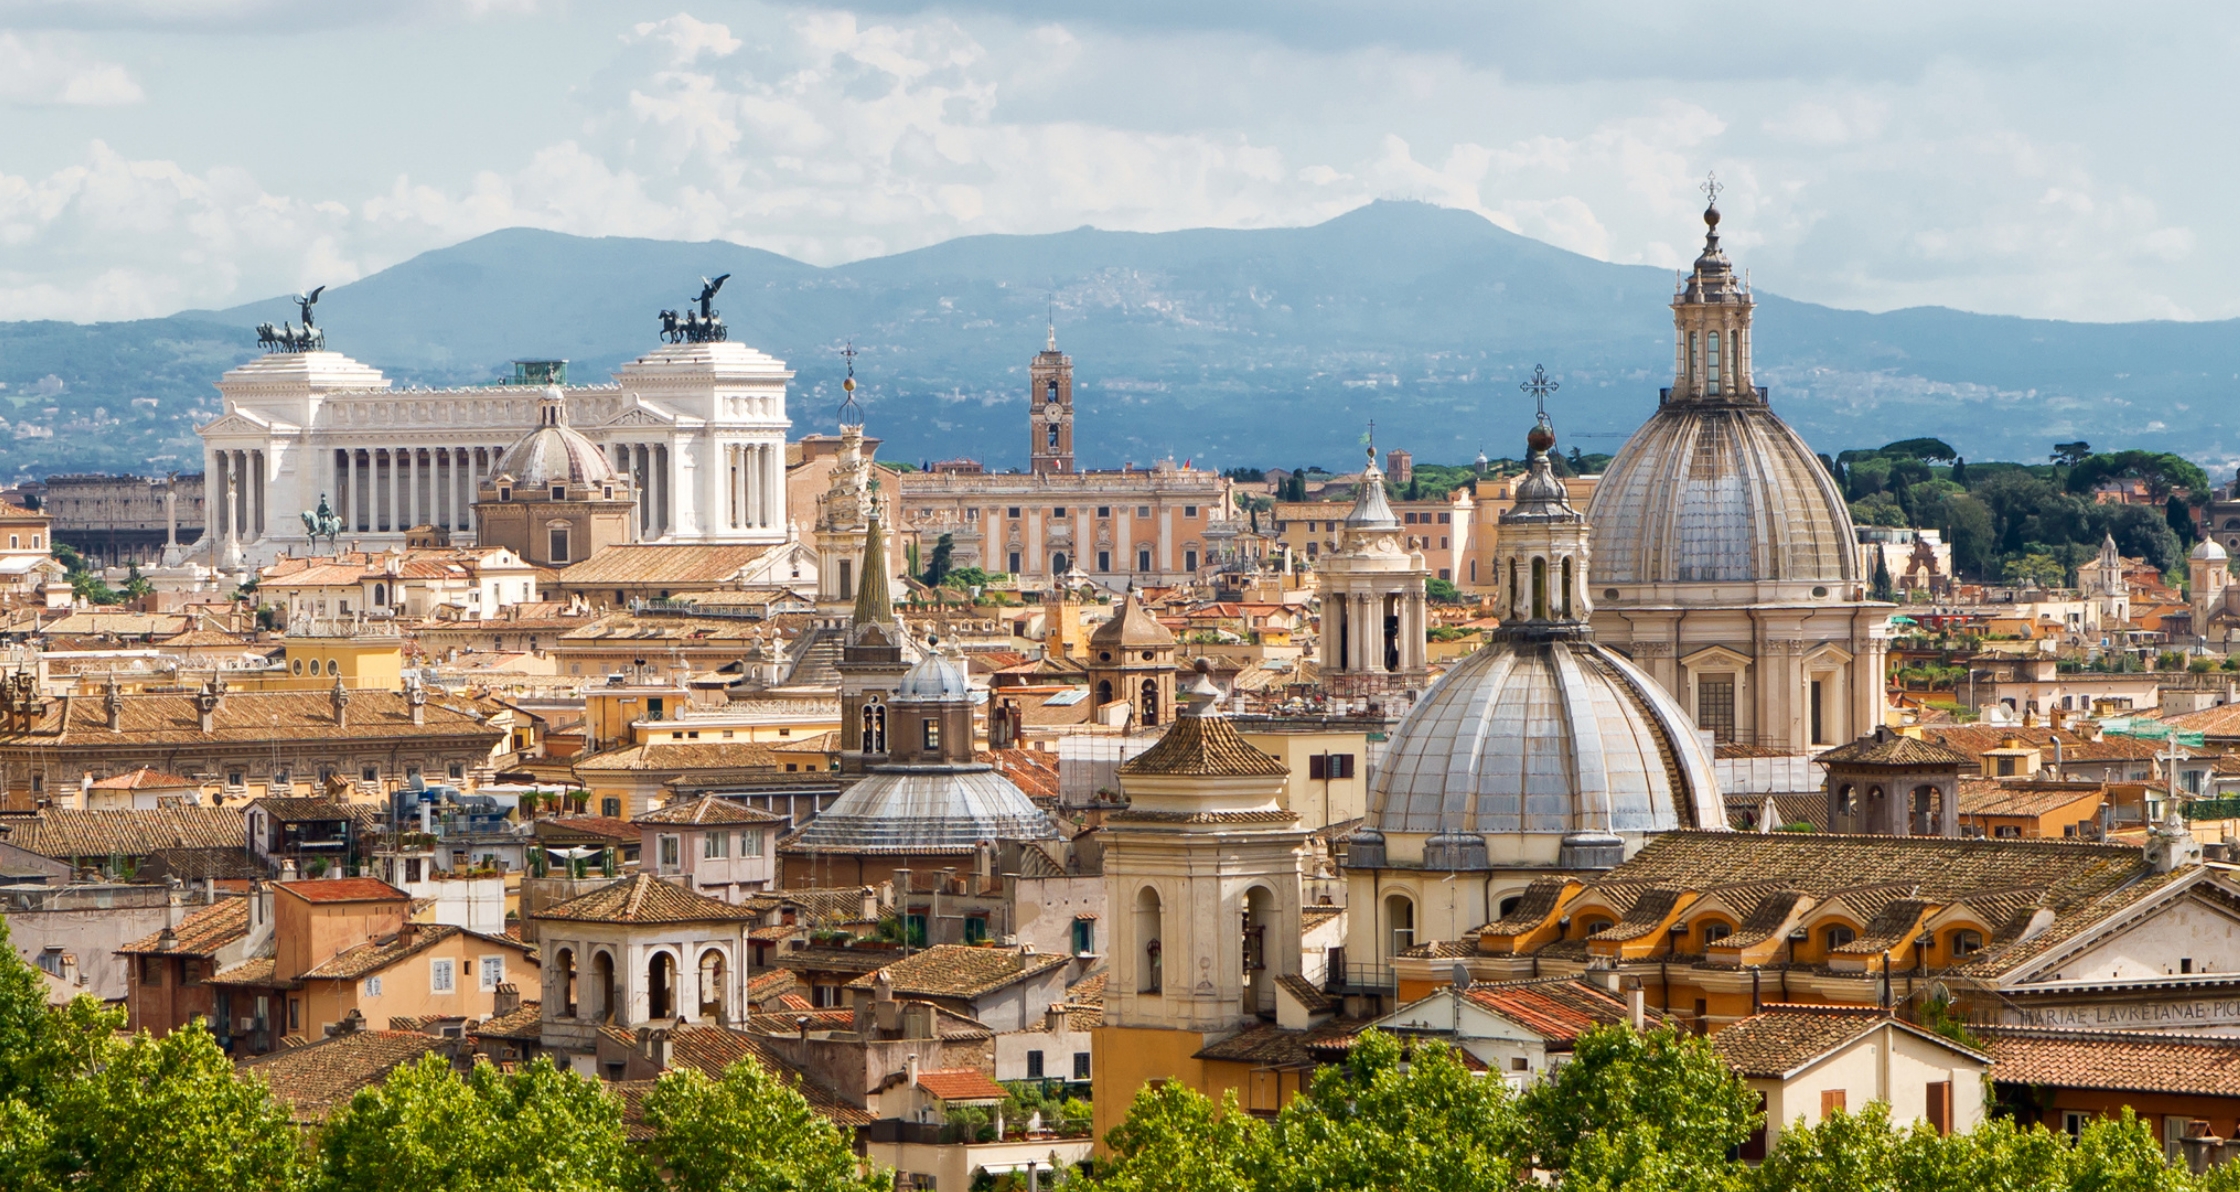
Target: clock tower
[(1050, 410)]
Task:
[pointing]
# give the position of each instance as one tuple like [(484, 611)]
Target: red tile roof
[(1559, 1010), (345, 889), (2120, 1061), (201, 933), (961, 1084), (144, 778)]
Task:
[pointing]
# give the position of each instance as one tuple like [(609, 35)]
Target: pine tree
[(1883, 588)]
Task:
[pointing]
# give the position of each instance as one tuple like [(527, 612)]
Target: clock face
[(1051, 409)]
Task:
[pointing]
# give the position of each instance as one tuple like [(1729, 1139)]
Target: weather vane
[(848, 388), (1540, 387), (1711, 187)]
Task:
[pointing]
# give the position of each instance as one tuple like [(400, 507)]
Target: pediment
[(1716, 657), (2192, 928), (641, 415), (235, 423)]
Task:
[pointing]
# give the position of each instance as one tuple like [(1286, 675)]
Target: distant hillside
[(1265, 347)]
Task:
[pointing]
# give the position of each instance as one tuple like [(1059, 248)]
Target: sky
[(2048, 159)]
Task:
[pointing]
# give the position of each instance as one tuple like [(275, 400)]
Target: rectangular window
[(1057, 511), (1143, 511), (493, 972), (1014, 568), (914, 929), (369, 773), (1189, 511), (1143, 560), (1104, 511), (1818, 730), (1330, 766), (976, 929), (1940, 1106), (411, 870), (1104, 560), (1831, 1100), (373, 986), (295, 1014), (1013, 511), (1189, 560), (611, 808), (1446, 518), (672, 852), (750, 843), (559, 545), (1081, 1065), (1034, 1065), (715, 846), (443, 975), (1084, 936), (1715, 706), (933, 733)]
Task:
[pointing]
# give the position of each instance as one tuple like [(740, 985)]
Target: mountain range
[(1268, 347)]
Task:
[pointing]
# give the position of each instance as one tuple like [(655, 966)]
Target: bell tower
[(1050, 409), (1711, 324)]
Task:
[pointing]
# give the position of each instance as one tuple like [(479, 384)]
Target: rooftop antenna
[(1540, 387), (848, 388)]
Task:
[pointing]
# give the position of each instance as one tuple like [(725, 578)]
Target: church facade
[(1725, 560)]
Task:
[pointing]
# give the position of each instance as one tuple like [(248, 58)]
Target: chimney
[(113, 703), (288, 870), (505, 999), (910, 1069), (984, 860), (340, 698), (167, 940), (416, 698), (1637, 1010), (206, 706), (870, 905)]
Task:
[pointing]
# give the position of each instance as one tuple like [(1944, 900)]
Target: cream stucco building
[(1725, 562)]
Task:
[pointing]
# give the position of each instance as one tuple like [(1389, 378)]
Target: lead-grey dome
[(555, 453), (901, 809), (1554, 737), (1713, 492), (934, 678)]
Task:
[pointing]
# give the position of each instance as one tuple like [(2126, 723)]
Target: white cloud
[(45, 69)]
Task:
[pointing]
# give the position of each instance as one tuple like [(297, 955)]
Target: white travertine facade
[(1725, 561), (699, 428)]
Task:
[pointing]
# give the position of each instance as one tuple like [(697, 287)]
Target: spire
[(874, 606), (1370, 509), (1711, 322), (1052, 345), (1540, 496), (848, 407)]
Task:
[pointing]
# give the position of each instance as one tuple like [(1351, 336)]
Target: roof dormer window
[(559, 492)]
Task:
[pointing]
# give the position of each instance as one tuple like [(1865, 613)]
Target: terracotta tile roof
[(606, 826), (646, 899), (1131, 628), (1442, 950), (815, 959), (960, 971), (64, 834), (1311, 917), (2220, 721), (1559, 1009), (1785, 1039), (962, 1084), (364, 960), (1269, 1045), (255, 973), (1304, 991), (711, 1049), (1647, 915), (193, 864), (708, 809), (526, 1021), (344, 889), (318, 1078), (1992, 796), (2119, 1061), (1034, 771), (303, 809), (1088, 990), (1203, 747), (246, 717), (636, 564), (682, 756), (1533, 906), (144, 778), (1886, 748), (202, 933)]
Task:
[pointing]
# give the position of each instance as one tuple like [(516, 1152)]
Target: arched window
[(1837, 936), (1052, 392), (602, 978), (1149, 977), (1058, 563), (1539, 589), (1053, 434), (1711, 365), (1104, 690), (1399, 923), (712, 993), (380, 595), (1567, 587), (1847, 799), (874, 728), (661, 986), (564, 981), (1150, 703)]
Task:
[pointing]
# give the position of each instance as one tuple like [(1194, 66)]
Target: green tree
[(1635, 1110), (2044, 570), (2123, 1155), (170, 1115), (944, 548), (2161, 470), (1973, 535), (2179, 516), (1175, 1140), (1920, 450), (747, 1132), (427, 1127), (1960, 472), (1394, 1118), (2071, 454), (42, 1049), (1441, 591), (1883, 588)]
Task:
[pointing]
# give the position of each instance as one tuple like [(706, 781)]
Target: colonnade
[(236, 494), (392, 489), (754, 476)]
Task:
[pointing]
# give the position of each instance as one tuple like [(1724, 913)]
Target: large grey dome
[(1712, 492), (905, 809), (1555, 736), (555, 453)]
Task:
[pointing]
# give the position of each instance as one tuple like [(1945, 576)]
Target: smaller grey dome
[(934, 679), (555, 453), (903, 808)]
